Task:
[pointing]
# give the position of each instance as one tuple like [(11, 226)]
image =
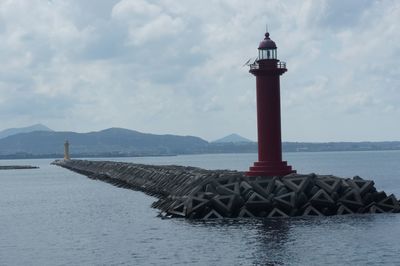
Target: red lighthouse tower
[(268, 69)]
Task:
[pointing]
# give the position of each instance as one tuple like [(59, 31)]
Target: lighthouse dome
[(267, 43)]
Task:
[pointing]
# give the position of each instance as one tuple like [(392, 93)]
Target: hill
[(233, 138), (109, 142), (119, 142), (12, 131)]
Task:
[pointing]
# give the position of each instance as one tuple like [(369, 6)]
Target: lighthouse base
[(266, 168)]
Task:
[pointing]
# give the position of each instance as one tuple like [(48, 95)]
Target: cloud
[(146, 22), (165, 66), (126, 9)]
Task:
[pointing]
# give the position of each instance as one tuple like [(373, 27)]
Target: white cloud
[(126, 9), (147, 22)]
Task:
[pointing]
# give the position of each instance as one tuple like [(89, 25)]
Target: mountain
[(234, 138), (119, 142), (13, 131), (109, 142)]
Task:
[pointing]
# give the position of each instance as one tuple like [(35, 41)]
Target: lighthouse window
[(267, 54)]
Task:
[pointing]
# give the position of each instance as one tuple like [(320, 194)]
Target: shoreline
[(61, 156)]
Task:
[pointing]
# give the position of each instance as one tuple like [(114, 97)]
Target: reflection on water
[(52, 216), (273, 235), (339, 240)]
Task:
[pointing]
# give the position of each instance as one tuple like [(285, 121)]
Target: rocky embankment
[(204, 194), (17, 167)]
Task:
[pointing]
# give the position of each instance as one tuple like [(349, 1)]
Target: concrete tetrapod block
[(335, 196), (178, 210), (297, 183), (206, 195), (287, 201), (233, 187), (195, 204), (375, 209), (389, 204), (277, 213), (379, 196), (281, 191), (352, 200), (363, 186), (213, 214), (193, 191), (278, 185), (291, 175), (365, 208), (264, 187), (303, 207), (343, 210), (225, 204), (345, 185), (311, 211), (258, 203), (313, 190), (313, 175), (245, 187), (329, 184), (223, 179), (368, 198), (211, 188), (247, 195), (222, 190), (321, 199), (245, 213), (302, 199)]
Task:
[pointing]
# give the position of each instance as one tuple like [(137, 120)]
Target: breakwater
[(197, 193), (17, 167)]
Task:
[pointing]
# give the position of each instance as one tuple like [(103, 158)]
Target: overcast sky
[(168, 66)]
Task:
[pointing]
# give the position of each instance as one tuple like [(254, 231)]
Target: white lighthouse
[(66, 151)]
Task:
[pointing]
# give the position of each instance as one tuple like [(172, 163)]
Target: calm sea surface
[(51, 216)]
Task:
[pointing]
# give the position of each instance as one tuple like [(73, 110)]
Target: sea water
[(51, 216)]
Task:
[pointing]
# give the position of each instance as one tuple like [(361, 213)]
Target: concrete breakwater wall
[(17, 167), (196, 193)]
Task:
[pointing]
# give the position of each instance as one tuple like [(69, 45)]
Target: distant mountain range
[(109, 142), (42, 142), (13, 131)]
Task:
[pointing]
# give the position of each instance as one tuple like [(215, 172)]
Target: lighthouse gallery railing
[(279, 64)]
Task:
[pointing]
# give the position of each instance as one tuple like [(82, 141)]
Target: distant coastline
[(219, 148), (43, 142)]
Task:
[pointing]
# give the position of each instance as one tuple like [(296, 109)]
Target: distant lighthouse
[(268, 69), (66, 151)]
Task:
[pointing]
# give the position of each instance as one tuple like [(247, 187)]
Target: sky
[(176, 67)]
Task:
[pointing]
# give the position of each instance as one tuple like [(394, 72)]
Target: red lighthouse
[(268, 69)]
